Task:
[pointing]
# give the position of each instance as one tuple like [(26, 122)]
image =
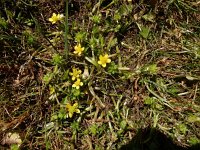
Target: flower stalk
[(66, 30)]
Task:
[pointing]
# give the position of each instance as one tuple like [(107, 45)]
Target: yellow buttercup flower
[(78, 49), (54, 18), (103, 60), (72, 109), (75, 73), (77, 84)]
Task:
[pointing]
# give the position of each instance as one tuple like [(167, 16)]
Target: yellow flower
[(77, 84), (75, 73), (103, 60), (72, 109), (54, 18), (78, 49)]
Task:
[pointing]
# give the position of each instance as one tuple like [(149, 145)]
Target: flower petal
[(68, 106), (108, 60), (75, 47), (75, 105), (77, 111), (104, 65), (99, 62), (70, 114)]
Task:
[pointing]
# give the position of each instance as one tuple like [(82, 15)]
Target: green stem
[(66, 30)]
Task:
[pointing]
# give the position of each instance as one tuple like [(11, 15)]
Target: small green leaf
[(80, 36), (96, 30), (123, 124), (75, 125), (96, 18), (158, 106), (193, 118), (149, 17), (47, 78), (112, 42), (57, 59), (92, 61), (65, 75), (149, 101), (93, 129), (14, 147), (193, 140), (113, 68), (54, 117), (3, 23), (144, 32), (117, 16), (151, 69), (182, 128), (76, 92), (125, 9)]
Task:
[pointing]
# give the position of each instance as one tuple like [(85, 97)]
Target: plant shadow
[(153, 139)]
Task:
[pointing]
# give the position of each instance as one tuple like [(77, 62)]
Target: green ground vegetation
[(89, 77)]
